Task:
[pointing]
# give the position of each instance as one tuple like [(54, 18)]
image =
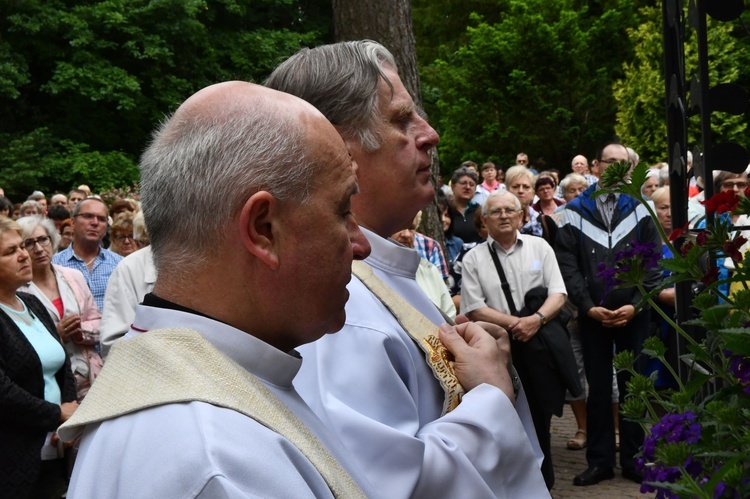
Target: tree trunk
[(388, 22)]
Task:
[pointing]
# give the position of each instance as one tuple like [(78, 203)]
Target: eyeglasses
[(467, 183), (121, 237), (30, 243), (89, 217), (740, 184), (498, 212), (610, 161)]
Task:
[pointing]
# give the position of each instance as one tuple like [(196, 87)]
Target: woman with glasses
[(37, 386), (464, 184), (121, 235), (66, 296), (546, 189)]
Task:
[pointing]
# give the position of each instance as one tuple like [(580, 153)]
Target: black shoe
[(593, 475), (632, 475)]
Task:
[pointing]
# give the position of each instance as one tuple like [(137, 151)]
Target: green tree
[(83, 83), (538, 80), (641, 115)]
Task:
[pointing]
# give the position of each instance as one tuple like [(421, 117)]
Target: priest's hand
[(493, 329), (480, 358)]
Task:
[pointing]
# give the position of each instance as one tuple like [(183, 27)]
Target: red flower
[(724, 201), (702, 237), (687, 247), (747, 192), (732, 248), (711, 276), (678, 232)]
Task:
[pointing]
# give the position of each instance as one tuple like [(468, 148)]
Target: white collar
[(256, 356), (390, 256)]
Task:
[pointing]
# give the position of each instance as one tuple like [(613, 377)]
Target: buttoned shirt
[(529, 263), (606, 206), (431, 251), (104, 263)]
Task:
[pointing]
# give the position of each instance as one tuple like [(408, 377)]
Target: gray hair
[(498, 193), (341, 80), (77, 207), (31, 204), (464, 172), (516, 172), (663, 176), (36, 196), (573, 178), (140, 233), (29, 225), (201, 168)]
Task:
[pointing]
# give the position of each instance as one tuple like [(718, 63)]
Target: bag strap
[(503, 281)]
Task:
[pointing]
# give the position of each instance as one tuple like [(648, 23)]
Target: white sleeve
[(375, 389), (118, 312)]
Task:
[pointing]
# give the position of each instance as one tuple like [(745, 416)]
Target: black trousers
[(598, 343), (545, 393)]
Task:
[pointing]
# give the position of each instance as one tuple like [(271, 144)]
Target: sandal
[(576, 443), (617, 441)]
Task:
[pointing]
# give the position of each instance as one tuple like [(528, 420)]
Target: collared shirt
[(431, 251), (529, 263), (533, 227), (606, 206), (104, 263)]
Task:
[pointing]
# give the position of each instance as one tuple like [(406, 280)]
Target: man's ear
[(259, 223)]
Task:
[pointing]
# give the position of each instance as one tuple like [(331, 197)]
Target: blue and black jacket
[(584, 240)]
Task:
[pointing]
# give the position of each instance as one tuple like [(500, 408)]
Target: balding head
[(580, 165), (222, 145)]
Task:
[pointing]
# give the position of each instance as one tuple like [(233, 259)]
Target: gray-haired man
[(390, 418)]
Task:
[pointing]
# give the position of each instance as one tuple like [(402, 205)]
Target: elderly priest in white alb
[(197, 399)]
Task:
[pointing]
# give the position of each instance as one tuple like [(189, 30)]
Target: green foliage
[(536, 78), (697, 440), (640, 94), (83, 83)]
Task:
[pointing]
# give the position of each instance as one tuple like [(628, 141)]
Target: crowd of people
[(293, 334)]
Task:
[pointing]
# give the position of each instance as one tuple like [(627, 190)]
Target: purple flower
[(659, 473), (648, 253), (739, 366), (608, 277), (675, 428)]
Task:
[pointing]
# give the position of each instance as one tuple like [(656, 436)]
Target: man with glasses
[(593, 231), (85, 253), (527, 262)]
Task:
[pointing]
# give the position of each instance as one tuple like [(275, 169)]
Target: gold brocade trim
[(420, 329), (166, 366)]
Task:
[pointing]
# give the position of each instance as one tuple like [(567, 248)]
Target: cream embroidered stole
[(166, 366), (422, 331)]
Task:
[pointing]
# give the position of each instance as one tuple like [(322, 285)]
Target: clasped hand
[(480, 356), (613, 318)]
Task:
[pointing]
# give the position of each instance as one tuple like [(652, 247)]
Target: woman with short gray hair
[(67, 298)]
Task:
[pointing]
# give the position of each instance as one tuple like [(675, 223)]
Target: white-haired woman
[(67, 298)]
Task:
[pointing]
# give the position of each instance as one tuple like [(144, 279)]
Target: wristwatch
[(541, 316)]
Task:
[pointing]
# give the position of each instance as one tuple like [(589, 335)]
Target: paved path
[(569, 463)]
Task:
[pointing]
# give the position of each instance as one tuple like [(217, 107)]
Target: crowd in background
[(60, 301)]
